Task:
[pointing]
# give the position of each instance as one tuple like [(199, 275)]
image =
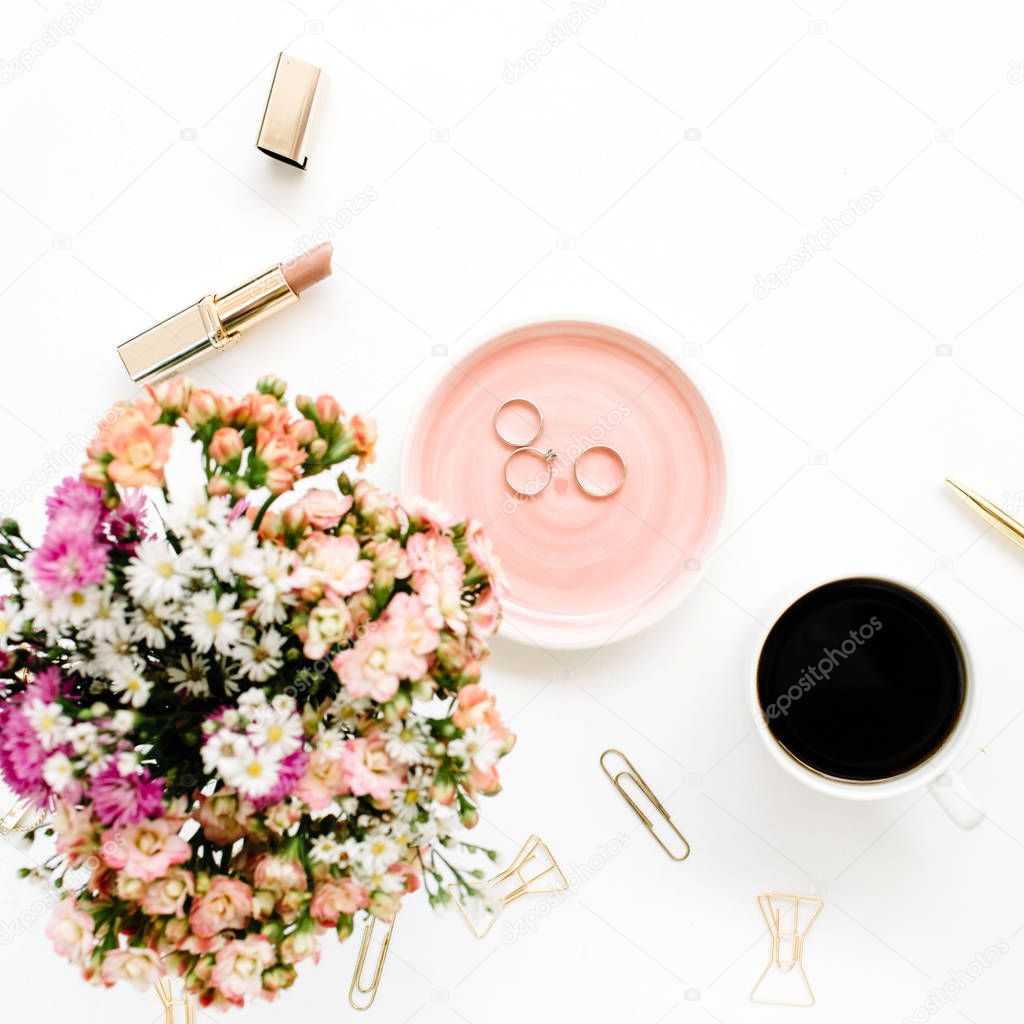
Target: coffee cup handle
[(957, 801)]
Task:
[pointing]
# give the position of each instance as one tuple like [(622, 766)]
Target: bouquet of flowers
[(251, 714)]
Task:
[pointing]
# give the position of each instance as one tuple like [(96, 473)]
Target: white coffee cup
[(935, 774)]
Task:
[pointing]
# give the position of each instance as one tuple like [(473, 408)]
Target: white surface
[(845, 397)]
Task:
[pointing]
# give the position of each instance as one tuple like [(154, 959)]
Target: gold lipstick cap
[(288, 121)]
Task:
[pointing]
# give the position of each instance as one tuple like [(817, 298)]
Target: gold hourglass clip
[(788, 918)]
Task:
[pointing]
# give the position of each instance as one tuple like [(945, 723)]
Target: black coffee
[(861, 679)]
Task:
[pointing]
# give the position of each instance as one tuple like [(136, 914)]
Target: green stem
[(262, 512)]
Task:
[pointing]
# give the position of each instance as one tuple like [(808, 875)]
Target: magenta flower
[(119, 800), (127, 523), (21, 753), (73, 496), (69, 558), (291, 769)]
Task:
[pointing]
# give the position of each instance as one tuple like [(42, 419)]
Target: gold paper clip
[(21, 816), (787, 949), (629, 772), (186, 1009), (534, 849), (357, 986)]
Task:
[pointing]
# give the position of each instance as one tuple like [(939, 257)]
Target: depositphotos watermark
[(831, 658), (558, 31), (577, 876), (58, 462), (957, 982), (56, 29), (327, 227), (817, 242)]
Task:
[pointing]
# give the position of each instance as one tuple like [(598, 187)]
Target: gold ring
[(533, 437), (588, 490), (549, 458)]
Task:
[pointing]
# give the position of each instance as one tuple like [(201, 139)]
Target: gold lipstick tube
[(213, 323)]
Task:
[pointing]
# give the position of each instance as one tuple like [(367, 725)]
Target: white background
[(645, 171)]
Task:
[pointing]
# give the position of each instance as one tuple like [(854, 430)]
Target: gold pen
[(991, 513)]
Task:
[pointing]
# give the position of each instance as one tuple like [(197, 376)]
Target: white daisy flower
[(407, 743), (188, 677), (39, 608), (108, 619), (197, 519), (284, 704), (78, 607), (10, 625), (252, 701), (133, 687), (222, 753), (153, 625), (57, 772), (442, 820), (122, 721), (261, 660), (409, 800), (274, 584), (257, 772), (50, 723), (158, 574), (82, 736), (383, 881), (235, 551), (214, 622), (115, 654), (374, 854), (330, 742), (326, 850), (95, 761), (478, 748), (127, 762), (279, 734)]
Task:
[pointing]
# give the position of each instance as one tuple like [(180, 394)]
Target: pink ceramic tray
[(583, 571)]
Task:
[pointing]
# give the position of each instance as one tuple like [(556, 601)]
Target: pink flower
[(71, 931), (432, 513), (75, 498), (279, 874), (224, 816), (324, 509), (334, 898), (327, 409), (145, 850), (368, 771), (289, 771), (434, 553), (329, 623), (141, 967), (282, 456), (227, 904), (69, 558), (364, 433), (485, 614), (21, 753), (442, 602), (392, 649), (476, 707), (138, 448), (167, 895), (408, 620), (321, 783), (126, 800), (300, 945), (77, 832), (239, 966), (333, 564), (482, 550), (225, 445)]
